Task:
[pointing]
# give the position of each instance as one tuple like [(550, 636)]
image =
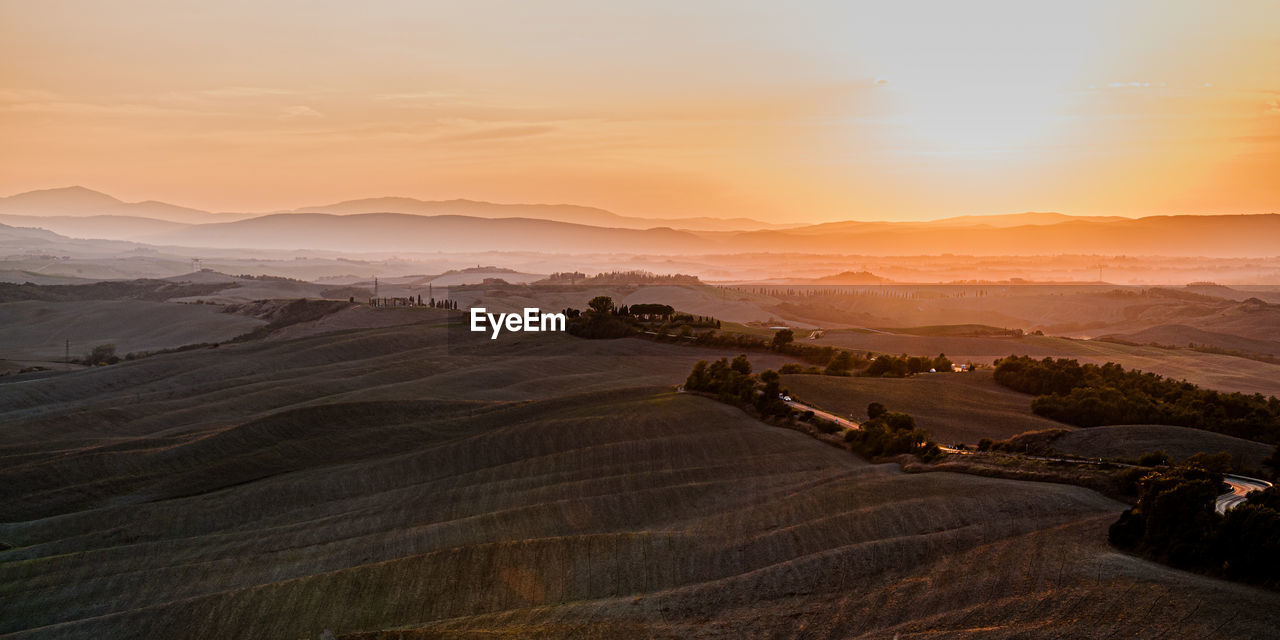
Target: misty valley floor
[(378, 484)]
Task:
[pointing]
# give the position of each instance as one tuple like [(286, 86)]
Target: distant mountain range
[(81, 202), (468, 226), (556, 212)]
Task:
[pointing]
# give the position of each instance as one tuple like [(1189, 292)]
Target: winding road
[(1240, 488)]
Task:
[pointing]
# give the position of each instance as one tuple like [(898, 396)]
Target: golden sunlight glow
[(825, 111)]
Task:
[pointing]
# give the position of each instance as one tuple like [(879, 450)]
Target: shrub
[(1154, 459)]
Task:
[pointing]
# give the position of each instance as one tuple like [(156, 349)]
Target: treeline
[(601, 319), (1175, 522), (781, 342), (863, 290), (1090, 395), (619, 277), (266, 278)]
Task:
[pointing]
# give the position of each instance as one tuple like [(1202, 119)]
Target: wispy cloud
[(498, 133), (244, 92), (299, 111)]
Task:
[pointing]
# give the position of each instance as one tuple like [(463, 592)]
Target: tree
[(1154, 459), (841, 363), (697, 379), (768, 403), (781, 339), (875, 410), (102, 354), (742, 365), (942, 362), (601, 304)]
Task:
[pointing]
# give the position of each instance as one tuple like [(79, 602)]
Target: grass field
[(381, 484), (1225, 373), (955, 407), (1132, 440), (36, 330)]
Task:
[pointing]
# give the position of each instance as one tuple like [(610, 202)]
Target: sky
[(803, 111)]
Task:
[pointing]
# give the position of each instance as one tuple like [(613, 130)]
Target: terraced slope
[(386, 483)]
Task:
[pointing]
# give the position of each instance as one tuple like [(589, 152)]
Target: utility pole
[(66, 356)]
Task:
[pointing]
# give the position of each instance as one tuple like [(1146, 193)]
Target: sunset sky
[(785, 112)]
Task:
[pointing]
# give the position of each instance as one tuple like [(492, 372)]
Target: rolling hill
[(954, 407), (574, 214), (79, 201), (380, 484), (464, 225), (404, 232)]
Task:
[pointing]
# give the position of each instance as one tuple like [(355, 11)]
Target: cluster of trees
[(443, 303), (265, 277), (619, 277), (651, 312), (888, 433), (903, 366), (598, 321), (826, 291), (100, 355), (1089, 395), (1175, 522), (732, 382), (602, 319)]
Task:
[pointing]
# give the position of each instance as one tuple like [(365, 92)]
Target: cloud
[(499, 133), (430, 97), (28, 95), (1274, 107), (299, 111), (244, 92)]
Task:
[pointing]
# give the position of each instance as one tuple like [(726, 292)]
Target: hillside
[(403, 232), (954, 407), (557, 212), (36, 330), (79, 201), (379, 224), (374, 480), (107, 227), (1228, 235), (1130, 441), (1215, 371)]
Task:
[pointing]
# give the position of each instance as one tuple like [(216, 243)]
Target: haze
[(829, 111)]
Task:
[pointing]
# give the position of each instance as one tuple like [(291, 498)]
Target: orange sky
[(823, 111)]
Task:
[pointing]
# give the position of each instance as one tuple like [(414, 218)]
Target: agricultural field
[(36, 330), (1215, 371), (954, 407), (1132, 440), (380, 484)]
